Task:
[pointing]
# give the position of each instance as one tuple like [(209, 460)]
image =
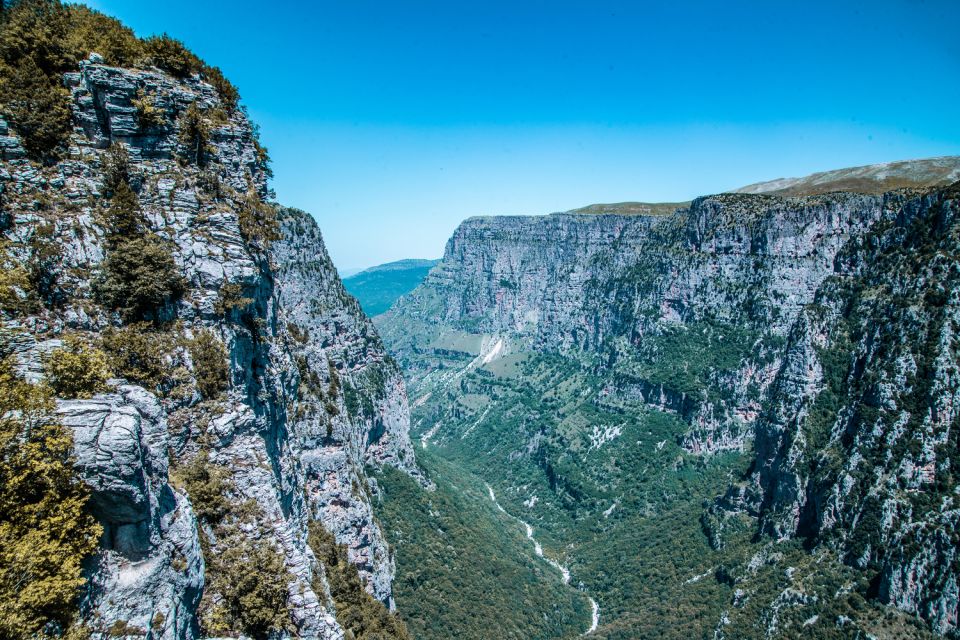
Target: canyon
[(738, 371), (735, 417)]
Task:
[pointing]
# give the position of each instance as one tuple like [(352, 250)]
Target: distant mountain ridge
[(377, 288), (399, 265), (871, 179)]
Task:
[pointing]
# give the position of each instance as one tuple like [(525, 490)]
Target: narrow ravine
[(538, 549)]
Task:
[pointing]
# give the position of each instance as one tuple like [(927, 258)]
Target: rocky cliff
[(813, 334), (187, 474), (857, 447), (619, 286)]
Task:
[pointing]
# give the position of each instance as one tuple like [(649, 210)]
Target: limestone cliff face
[(369, 422), (312, 396), (607, 284), (858, 445), (838, 314), (533, 277), (526, 277)]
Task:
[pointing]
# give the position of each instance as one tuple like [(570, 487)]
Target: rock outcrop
[(312, 398), (150, 561)]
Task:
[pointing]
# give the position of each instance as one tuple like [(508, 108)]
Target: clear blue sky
[(393, 121)]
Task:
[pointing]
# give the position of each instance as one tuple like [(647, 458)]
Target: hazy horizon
[(391, 124)]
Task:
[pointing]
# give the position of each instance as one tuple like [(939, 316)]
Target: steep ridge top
[(632, 208), (872, 179)]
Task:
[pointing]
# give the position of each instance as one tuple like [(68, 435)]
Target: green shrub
[(333, 390), (116, 171), (90, 31), (42, 265), (14, 284), (37, 107), (58, 35), (251, 580), (139, 277), (194, 135), (122, 629), (258, 221), (41, 499), (76, 370), (37, 29), (230, 298), (228, 93), (210, 365), (246, 581), (263, 157), (358, 612), (310, 384), (123, 220), (300, 336), (138, 353), (209, 183), (148, 114), (33, 55), (208, 485), (171, 55)]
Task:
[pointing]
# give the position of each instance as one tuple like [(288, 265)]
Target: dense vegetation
[(463, 569), (210, 364), (138, 352), (76, 370), (139, 276), (603, 479), (46, 532), (246, 579), (249, 580), (685, 358), (362, 616), (259, 226)]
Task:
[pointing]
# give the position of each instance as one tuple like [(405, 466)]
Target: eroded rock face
[(858, 447), (609, 283), (366, 423), (120, 444), (150, 568), (313, 398)]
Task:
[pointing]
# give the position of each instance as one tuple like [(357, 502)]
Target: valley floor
[(529, 443), (465, 569)]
